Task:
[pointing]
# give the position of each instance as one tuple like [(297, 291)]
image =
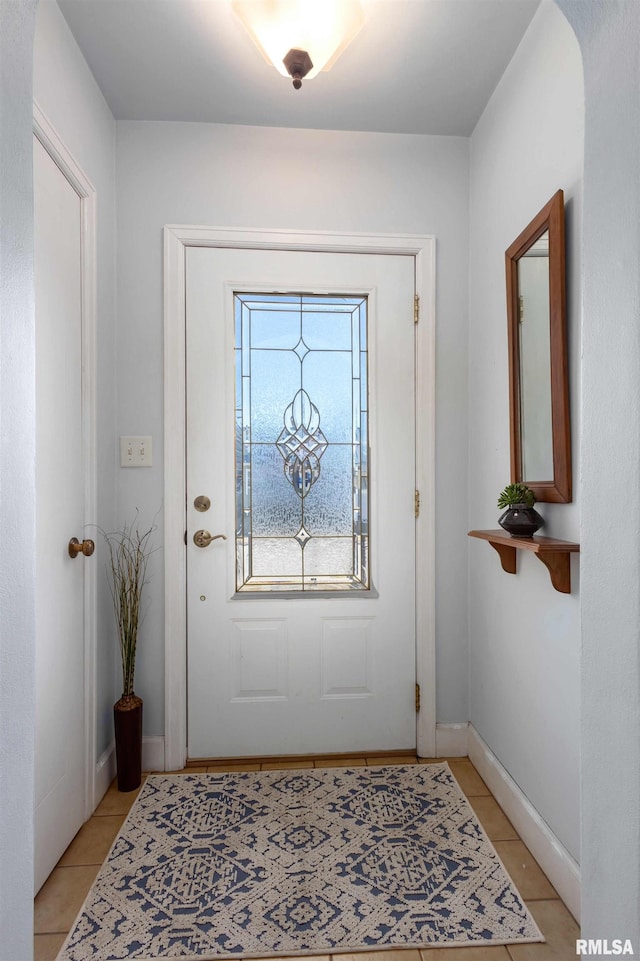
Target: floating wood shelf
[(554, 554)]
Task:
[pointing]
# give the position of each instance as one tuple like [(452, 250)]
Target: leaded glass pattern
[(302, 443), (302, 464)]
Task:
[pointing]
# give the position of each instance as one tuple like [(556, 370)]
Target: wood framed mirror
[(538, 380)]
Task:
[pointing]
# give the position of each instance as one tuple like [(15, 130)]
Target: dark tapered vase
[(127, 720), (520, 520)]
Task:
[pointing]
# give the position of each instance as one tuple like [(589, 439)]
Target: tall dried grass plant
[(129, 553)]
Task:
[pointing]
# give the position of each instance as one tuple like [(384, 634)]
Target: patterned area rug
[(298, 862)]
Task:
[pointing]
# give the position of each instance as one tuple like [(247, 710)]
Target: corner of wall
[(17, 525)]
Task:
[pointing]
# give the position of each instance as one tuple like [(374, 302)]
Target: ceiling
[(417, 66)]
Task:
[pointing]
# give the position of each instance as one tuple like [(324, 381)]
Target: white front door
[(285, 659), (60, 506)]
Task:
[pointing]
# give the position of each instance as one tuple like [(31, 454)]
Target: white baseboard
[(153, 753), (452, 740), (105, 772), (554, 859), (152, 760)]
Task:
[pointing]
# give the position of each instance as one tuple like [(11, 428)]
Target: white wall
[(66, 91), (610, 465), (524, 637), (262, 177), (17, 482)]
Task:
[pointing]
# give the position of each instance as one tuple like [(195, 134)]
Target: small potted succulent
[(520, 519)]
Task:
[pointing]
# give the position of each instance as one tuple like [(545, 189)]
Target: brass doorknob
[(204, 538), (86, 547)]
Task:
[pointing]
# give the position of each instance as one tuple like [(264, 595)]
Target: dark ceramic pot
[(520, 520), (127, 720)]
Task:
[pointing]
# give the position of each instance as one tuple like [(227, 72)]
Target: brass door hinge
[(417, 698), (416, 503), (416, 308)]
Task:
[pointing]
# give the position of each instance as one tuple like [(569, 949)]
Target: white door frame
[(57, 150), (176, 239)]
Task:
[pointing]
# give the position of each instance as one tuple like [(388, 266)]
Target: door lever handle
[(86, 547), (204, 538)]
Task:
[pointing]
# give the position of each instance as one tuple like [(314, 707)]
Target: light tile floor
[(62, 895)]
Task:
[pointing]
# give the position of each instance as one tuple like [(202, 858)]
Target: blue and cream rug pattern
[(318, 861)]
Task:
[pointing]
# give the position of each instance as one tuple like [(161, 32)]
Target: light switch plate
[(135, 451)]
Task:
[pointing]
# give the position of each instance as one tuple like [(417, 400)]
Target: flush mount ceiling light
[(301, 37)]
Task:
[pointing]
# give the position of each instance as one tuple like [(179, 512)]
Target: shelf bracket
[(559, 568), (508, 557)]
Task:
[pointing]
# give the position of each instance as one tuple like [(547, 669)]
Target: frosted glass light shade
[(323, 28)]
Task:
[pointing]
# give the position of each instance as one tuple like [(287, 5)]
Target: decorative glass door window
[(302, 465)]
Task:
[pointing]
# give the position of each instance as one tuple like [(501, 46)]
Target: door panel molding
[(176, 239), (47, 135)]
